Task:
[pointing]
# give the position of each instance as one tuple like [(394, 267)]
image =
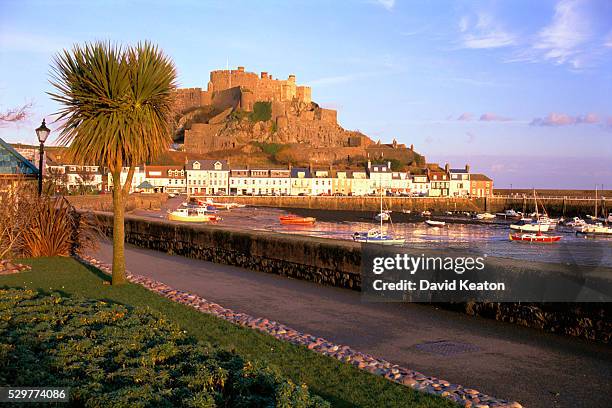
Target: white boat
[(192, 215), (595, 229), (383, 216), (532, 227), (407, 211), (426, 213), (375, 236), (433, 223), (485, 216), (576, 222), (508, 214)]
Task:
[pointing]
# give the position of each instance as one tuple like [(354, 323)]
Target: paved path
[(514, 363)]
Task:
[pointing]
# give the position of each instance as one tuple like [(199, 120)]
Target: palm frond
[(116, 102)]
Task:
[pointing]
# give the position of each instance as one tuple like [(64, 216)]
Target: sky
[(521, 90)]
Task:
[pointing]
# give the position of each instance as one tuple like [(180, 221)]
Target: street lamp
[(42, 133)]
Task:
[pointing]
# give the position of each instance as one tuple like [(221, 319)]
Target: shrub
[(113, 356), (262, 111), (36, 226)]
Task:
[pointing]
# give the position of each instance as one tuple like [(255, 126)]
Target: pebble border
[(466, 397), (8, 267)]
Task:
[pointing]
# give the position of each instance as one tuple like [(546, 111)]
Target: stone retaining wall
[(104, 202), (337, 263), (324, 261)]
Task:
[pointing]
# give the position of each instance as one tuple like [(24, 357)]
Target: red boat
[(295, 220), (540, 238)]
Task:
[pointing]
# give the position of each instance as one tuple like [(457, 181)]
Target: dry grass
[(34, 226)]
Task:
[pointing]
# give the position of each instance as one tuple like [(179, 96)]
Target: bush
[(262, 111), (34, 226), (113, 356)]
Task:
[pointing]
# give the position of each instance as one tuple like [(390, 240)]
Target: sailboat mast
[(381, 199), (595, 202)]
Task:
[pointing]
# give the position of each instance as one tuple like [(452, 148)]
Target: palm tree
[(116, 107)]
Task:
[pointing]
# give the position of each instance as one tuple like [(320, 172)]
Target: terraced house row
[(204, 177)]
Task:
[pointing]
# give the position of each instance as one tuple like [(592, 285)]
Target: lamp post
[(42, 133)]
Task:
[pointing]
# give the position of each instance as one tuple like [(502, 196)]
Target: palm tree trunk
[(118, 276)]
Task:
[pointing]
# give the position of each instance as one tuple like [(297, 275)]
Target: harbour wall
[(104, 202), (337, 263), (568, 206)]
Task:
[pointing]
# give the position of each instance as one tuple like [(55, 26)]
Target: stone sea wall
[(568, 206), (337, 263), (323, 261), (104, 202)]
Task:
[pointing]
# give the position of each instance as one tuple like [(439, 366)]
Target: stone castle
[(253, 88), (217, 119)]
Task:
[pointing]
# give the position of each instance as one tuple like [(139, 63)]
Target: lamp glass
[(42, 132)]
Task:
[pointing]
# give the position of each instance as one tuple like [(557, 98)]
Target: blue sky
[(519, 89)]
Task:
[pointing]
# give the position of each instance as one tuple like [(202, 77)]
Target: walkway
[(506, 361)]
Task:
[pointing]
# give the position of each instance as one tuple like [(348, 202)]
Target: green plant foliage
[(238, 114), (396, 165), (262, 111), (269, 148), (114, 356)]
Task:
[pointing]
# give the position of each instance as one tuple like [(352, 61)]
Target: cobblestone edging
[(464, 396), (8, 267)]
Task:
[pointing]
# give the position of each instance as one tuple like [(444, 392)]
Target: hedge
[(114, 356)]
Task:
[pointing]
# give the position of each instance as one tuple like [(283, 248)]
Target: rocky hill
[(241, 111)]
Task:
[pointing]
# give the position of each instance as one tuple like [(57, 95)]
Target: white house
[(419, 184), (459, 182), (400, 182), (166, 179), (139, 177), (207, 176), (301, 181), (380, 177), (322, 182)]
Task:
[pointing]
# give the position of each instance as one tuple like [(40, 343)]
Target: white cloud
[(563, 39), (387, 4), (608, 40), (485, 33)]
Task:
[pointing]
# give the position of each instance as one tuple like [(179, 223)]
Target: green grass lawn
[(339, 383)]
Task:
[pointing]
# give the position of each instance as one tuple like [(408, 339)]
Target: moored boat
[(538, 238), (383, 216), (594, 229), (509, 214), (375, 236), (485, 216), (295, 220), (433, 223), (530, 227), (192, 215)]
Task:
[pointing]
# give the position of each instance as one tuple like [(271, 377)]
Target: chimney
[(291, 78), (264, 75), (240, 69), (467, 168), (446, 167), (412, 147)]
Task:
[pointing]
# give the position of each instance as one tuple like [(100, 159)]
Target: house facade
[(207, 176), (167, 179), (480, 186), (459, 182)]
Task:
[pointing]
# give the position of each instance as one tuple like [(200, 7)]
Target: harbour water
[(460, 233)]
